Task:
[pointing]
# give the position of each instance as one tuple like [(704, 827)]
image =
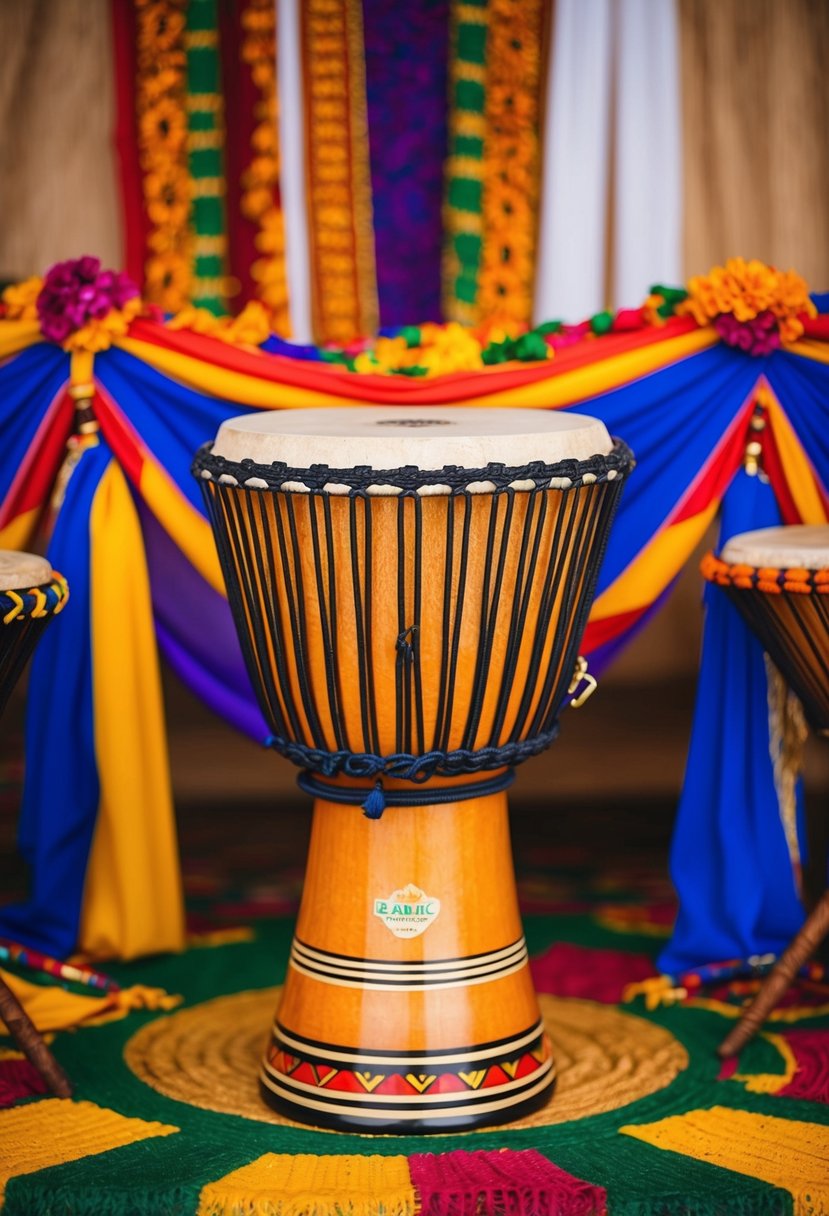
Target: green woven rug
[(167, 1119), (644, 1113)]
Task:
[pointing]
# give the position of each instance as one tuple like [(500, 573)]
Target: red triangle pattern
[(348, 1081)]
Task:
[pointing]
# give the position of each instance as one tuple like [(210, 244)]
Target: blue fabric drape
[(61, 794), (729, 859)]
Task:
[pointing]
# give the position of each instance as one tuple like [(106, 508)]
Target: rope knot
[(405, 647)]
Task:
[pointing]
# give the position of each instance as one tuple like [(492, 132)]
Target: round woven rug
[(208, 1056)]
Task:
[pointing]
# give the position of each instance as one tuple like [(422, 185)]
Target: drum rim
[(771, 579), (409, 479), (42, 599)]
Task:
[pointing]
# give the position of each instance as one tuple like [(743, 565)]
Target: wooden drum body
[(778, 578), (410, 613), (30, 595)]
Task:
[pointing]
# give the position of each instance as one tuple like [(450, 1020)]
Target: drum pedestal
[(408, 1004)]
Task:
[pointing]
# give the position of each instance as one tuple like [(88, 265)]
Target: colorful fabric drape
[(205, 141), (680, 397), (198, 147), (465, 164), (339, 188), (406, 88)]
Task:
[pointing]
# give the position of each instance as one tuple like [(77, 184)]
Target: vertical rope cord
[(270, 642), (520, 605), (18, 640), (340, 727), (327, 622), (581, 553), (301, 658), (804, 664), (262, 544), (456, 631), (549, 594), (222, 509)]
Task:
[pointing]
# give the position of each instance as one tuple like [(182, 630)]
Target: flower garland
[(251, 327), (511, 162), (83, 308), (751, 305), (339, 193), (161, 90), (78, 306), (260, 181)]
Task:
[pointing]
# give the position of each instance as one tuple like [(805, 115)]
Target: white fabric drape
[(610, 215), (575, 162), (647, 196), (292, 180)]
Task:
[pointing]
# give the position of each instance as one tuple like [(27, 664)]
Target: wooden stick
[(777, 981), (30, 1041)]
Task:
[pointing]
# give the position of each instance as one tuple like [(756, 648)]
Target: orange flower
[(744, 290), (20, 300), (163, 127), (98, 335), (160, 26), (168, 280), (168, 201)]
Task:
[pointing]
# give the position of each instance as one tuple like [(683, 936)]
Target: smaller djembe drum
[(30, 595), (410, 589), (778, 579)]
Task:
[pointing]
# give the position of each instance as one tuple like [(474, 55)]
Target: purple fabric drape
[(406, 88)]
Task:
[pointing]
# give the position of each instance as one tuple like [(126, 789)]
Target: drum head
[(801, 547), (20, 571), (429, 437)]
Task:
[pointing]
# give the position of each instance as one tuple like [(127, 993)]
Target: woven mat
[(167, 1119)]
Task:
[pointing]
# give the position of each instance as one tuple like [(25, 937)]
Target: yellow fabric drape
[(190, 531), (800, 477), (547, 393), (649, 574), (132, 901)]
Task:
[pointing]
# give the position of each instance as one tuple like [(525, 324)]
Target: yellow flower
[(98, 335), (250, 328), (20, 299), (199, 320)]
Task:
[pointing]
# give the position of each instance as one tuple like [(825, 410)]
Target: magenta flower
[(77, 292), (759, 336)]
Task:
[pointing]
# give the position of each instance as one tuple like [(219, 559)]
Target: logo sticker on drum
[(407, 912)]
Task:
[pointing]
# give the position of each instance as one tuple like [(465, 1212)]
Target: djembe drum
[(30, 596), (410, 591), (778, 578)]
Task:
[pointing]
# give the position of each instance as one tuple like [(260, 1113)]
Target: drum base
[(408, 1005), (465, 1120)]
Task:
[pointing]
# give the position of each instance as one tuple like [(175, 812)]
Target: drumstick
[(31, 1043), (13, 952), (807, 941)]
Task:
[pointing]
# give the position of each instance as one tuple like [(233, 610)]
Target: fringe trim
[(787, 735)]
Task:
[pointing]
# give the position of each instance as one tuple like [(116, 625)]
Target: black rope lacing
[(288, 601)]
